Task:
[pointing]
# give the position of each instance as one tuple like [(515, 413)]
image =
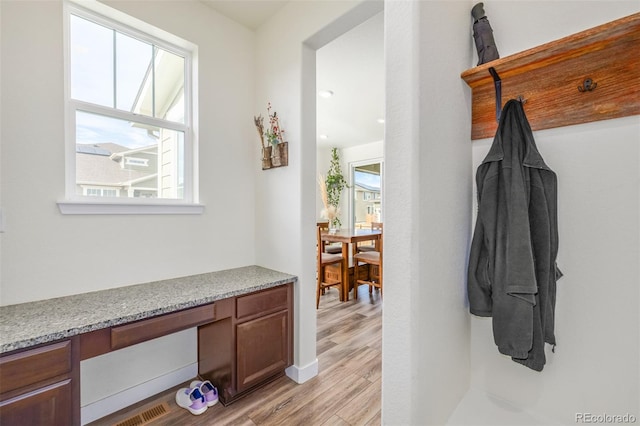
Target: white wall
[(46, 254), (1, 210), (364, 152), (595, 366), (427, 211)]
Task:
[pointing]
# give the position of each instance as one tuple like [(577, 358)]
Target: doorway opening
[(355, 146), (349, 121)]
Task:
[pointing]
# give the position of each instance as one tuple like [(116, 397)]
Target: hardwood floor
[(346, 390)]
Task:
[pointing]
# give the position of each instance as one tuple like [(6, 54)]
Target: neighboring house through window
[(129, 115), (367, 199)]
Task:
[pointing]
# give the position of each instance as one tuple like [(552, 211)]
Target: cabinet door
[(262, 348), (50, 405)]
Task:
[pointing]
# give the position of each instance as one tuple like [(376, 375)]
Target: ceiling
[(351, 66), (250, 13)]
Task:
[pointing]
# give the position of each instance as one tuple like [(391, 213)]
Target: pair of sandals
[(197, 397)]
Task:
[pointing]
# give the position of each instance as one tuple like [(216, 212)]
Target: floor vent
[(146, 416)]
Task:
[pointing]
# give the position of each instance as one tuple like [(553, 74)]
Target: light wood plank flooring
[(345, 392)]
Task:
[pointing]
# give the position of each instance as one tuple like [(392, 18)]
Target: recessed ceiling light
[(325, 93), (323, 136), (380, 120)]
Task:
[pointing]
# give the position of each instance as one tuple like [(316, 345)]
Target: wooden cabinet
[(243, 342), (251, 347), (262, 349), (41, 386), (50, 405), (264, 343)]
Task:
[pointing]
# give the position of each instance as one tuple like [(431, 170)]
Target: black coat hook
[(588, 85), (497, 82)]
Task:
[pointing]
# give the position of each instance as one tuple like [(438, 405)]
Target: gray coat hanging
[(512, 267)]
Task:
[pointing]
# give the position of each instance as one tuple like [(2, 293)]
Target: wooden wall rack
[(589, 76)]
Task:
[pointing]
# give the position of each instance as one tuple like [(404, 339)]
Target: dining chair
[(374, 260), (329, 248), (325, 259), (372, 246)]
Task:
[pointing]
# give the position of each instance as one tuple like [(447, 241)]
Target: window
[(129, 116), (366, 206)]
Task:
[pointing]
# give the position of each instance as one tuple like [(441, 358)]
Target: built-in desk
[(245, 337)]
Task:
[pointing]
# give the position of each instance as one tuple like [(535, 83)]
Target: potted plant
[(331, 190)]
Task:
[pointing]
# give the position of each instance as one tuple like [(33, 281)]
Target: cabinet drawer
[(262, 303), (50, 405), (32, 366), (130, 334)]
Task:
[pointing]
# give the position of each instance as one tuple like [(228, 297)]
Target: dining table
[(349, 236)]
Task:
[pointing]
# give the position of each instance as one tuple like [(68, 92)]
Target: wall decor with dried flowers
[(275, 152)]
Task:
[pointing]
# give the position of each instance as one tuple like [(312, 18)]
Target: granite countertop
[(29, 324)]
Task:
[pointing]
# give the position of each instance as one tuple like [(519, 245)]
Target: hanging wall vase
[(282, 153), (266, 158), (275, 157), (275, 152)]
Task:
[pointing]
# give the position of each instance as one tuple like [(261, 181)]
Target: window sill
[(84, 207)]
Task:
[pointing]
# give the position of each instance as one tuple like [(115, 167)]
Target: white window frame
[(353, 165), (79, 204)]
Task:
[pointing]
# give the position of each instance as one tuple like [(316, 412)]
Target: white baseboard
[(302, 374), (123, 399)]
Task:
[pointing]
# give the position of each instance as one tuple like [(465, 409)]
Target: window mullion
[(125, 115), (115, 72), (153, 80)]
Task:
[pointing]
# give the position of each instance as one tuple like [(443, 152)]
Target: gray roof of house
[(92, 149), (94, 165), (368, 187)]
